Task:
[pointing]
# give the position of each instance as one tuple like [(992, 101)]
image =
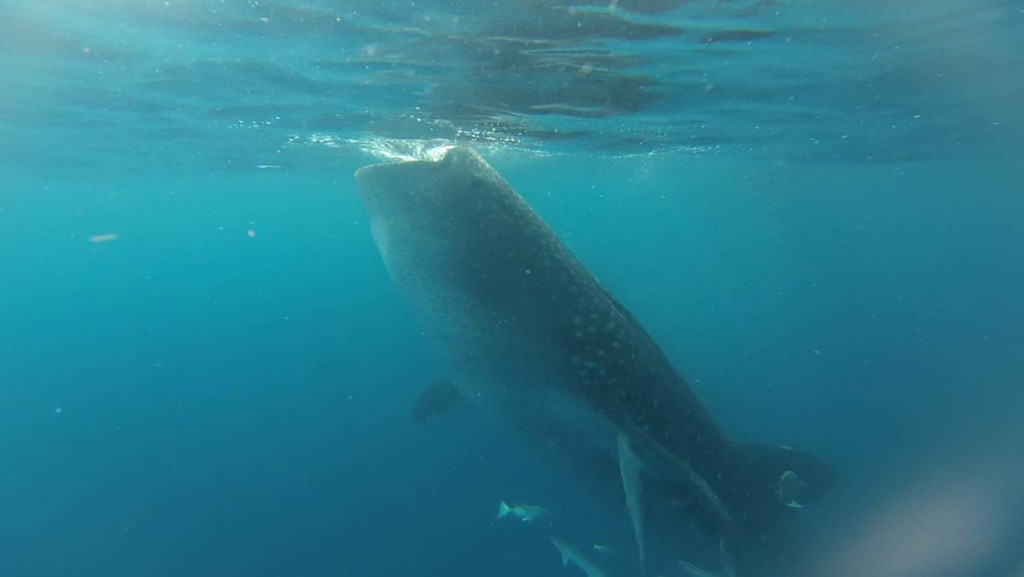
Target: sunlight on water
[(383, 149), (394, 149), (406, 149)]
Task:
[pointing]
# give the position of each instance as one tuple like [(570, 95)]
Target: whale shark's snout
[(398, 186), (457, 179)]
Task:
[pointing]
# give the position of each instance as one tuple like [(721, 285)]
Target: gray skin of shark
[(527, 326)]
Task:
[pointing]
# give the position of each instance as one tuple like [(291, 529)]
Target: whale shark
[(532, 336)]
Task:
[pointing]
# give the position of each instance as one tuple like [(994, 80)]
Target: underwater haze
[(815, 209)]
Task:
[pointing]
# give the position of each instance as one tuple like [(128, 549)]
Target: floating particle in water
[(100, 238)]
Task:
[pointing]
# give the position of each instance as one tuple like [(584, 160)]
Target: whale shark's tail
[(748, 505)]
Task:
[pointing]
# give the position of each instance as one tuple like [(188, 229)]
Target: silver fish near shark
[(525, 513), (571, 554), (535, 338)]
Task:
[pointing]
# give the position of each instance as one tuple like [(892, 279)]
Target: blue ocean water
[(814, 207)]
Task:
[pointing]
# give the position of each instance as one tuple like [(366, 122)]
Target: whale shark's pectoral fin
[(440, 398), (630, 470)]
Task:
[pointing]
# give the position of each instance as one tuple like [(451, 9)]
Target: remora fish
[(570, 554), (532, 335)]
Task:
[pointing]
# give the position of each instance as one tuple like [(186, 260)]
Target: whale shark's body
[(533, 335)]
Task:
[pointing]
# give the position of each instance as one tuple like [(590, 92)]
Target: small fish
[(101, 238), (727, 570), (692, 570), (603, 549), (791, 489), (525, 513), (571, 554)]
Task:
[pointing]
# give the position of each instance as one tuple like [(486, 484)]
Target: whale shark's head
[(467, 251), (434, 207), (456, 189)]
